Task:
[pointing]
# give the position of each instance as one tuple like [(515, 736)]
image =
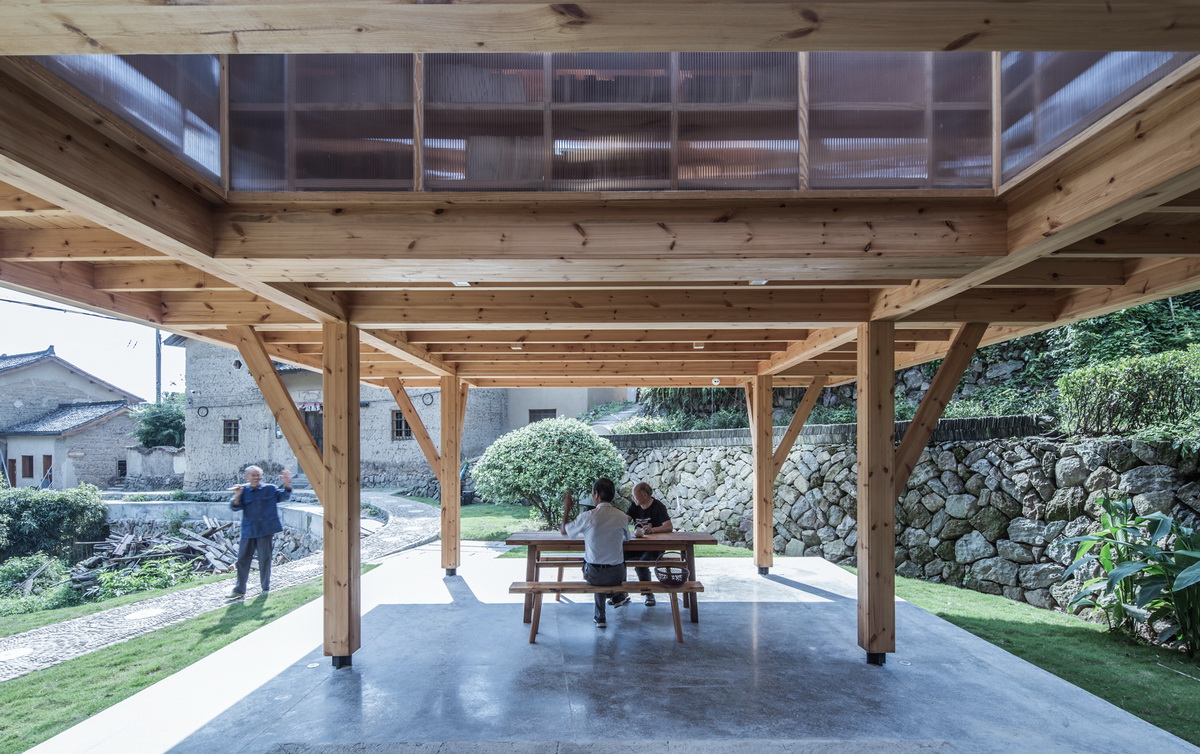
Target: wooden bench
[(574, 561), (538, 588)]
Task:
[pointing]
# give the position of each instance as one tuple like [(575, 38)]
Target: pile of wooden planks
[(208, 549)]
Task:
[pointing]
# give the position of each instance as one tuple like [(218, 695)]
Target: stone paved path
[(410, 524)]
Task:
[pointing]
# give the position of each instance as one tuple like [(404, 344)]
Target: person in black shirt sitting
[(649, 516)]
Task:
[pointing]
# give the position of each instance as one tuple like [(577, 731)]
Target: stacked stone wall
[(991, 514)]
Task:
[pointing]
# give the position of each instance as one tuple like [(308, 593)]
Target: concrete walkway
[(772, 667), (409, 524)]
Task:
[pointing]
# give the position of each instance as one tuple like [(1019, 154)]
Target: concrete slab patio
[(773, 664)]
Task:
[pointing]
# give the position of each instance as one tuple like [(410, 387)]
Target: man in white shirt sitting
[(603, 530)]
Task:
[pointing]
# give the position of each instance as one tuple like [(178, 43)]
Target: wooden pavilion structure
[(752, 289)]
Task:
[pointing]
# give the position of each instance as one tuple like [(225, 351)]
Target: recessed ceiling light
[(516, 347), (752, 282), (698, 346), (458, 284)]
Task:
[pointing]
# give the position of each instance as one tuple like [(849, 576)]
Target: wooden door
[(12, 471), (316, 424), (47, 470)]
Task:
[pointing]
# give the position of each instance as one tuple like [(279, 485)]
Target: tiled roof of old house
[(24, 359), (66, 417)]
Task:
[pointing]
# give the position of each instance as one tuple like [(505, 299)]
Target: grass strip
[(485, 522), (1158, 685), (15, 624), (46, 702)]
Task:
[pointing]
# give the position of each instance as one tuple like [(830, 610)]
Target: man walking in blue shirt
[(260, 522)]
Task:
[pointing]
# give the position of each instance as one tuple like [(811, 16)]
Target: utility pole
[(158, 366)]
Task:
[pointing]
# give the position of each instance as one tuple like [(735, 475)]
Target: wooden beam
[(531, 357), (699, 309), (48, 152), (818, 342), (1124, 241), (992, 305), (510, 337), (282, 406), (17, 203), (933, 405), (71, 283), (130, 27), (803, 411), (1062, 273), (450, 483), (341, 395), (622, 349), (420, 434), (84, 245), (876, 491), (758, 392), (217, 308), (1144, 159), (163, 276), (727, 380), (397, 345)]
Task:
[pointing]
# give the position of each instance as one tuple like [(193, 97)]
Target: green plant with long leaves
[(1149, 572)]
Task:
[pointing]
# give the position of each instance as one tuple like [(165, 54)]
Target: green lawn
[(15, 624), (44, 703), (1158, 685), (486, 522)]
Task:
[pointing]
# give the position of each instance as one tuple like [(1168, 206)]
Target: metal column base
[(876, 658), (451, 571), (763, 570), (341, 661)]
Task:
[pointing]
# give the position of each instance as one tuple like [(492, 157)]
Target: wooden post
[(876, 490), (916, 437), (342, 562), (759, 406), (451, 486)]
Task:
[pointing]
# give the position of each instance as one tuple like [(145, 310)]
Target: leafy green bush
[(833, 415), (642, 424), (537, 463), (50, 520), (178, 495), (15, 571), (1150, 572), (155, 573), (160, 423), (1131, 393)]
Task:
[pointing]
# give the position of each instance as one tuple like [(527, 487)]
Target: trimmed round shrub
[(536, 464)]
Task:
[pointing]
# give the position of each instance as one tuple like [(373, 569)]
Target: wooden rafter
[(397, 345), (803, 411), (370, 26), (420, 434)]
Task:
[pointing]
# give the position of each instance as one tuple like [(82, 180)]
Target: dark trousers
[(595, 575), (247, 549), (643, 574)]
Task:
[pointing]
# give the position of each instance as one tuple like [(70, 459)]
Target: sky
[(118, 352)]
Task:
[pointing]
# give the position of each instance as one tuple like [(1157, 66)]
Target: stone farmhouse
[(59, 425), (229, 426)]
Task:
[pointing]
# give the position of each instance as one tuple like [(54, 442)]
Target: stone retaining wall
[(990, 514)]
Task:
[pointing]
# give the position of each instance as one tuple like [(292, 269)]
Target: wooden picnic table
[(540, 543)]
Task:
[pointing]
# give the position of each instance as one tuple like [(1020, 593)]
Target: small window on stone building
[(27, 467), (400, 428), (537, 414), (231, 431)]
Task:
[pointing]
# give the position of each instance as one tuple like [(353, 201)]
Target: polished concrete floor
[(773, 666)]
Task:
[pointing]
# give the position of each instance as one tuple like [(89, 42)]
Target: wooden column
[(452, 395), (758, 395), (876, 490), (341, 502)]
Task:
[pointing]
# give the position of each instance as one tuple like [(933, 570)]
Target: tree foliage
[(160, 423), (537, 463), (50, 521)]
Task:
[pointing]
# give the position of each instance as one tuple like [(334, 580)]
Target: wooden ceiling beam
[(71, 283), (1060, 273), (395, 344), (88, 245), (524, 357), (604, 349), (600, 336), (1143, 159), (799, 352), (1132, 241), (372, 26), (48, 152), (163, 276), (17, 203)]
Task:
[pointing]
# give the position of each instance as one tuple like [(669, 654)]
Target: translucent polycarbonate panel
[(489, 150), (733, 77), (611, 150), (742, 149), (896, 120), (1049, 97), (620, 77), (173, 99), (484, 77), (321, 122)]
